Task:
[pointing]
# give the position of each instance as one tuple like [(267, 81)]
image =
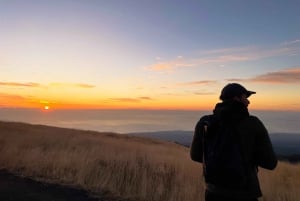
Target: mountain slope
[(286, 145)]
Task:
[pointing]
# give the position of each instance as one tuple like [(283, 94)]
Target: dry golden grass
[(129, 167)]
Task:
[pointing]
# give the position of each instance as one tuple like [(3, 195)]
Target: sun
[(46, 107)]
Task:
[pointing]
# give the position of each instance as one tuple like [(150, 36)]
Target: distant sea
[(128, 121)]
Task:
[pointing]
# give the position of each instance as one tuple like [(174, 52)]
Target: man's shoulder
[(253, 123), (253, 119), (206, 117), (205, 120)]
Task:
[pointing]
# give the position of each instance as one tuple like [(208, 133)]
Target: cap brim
[(249, 93)]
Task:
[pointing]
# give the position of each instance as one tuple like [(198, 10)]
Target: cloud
[(291, 42), (131, 100), (168, 66), (227, 50), (291, 75), (9, 100), (160, 66), (183, 63), (179, 61), (80, 85), (201, 82), (204, 93), (145, 98), (19, 84), (236, 80), (228, 55), (5, 96), (55, 84), (284, 76)]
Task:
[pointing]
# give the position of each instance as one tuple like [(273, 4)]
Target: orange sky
[(147, 55), (77, 97)]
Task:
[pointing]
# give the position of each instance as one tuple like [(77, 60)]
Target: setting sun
[(184, 72)]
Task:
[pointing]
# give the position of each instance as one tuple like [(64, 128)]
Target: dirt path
[(13, 188)]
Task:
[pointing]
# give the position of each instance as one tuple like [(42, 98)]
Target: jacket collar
[(231, 111)]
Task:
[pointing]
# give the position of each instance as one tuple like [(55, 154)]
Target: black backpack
[(223, 162)]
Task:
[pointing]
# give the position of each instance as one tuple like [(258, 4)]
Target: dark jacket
[(255, 143)]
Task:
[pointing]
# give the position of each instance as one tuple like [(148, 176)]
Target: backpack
[(223, 162)]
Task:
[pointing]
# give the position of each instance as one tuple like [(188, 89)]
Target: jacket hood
[(231, 111)]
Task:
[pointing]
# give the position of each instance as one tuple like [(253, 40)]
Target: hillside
[(123, 166), (286, 145), (120, 165)]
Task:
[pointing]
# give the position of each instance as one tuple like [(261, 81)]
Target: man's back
[(223, 161), (255, 146)]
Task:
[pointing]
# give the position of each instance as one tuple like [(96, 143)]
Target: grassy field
[(127, 167)]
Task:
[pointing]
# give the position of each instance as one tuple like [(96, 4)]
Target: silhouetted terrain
[(286, 145), (14, 188)]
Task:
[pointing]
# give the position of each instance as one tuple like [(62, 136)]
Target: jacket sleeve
[(264, 153), (196, 150)]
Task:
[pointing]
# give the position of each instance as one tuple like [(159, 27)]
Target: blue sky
[(148, 54)]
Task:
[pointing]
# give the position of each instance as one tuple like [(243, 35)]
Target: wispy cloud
[(204, 93), (5, 96), (131, 100), (291, 75), (291, 42), (55, 84), (172, 65), (227, 50), (228, 55), (201, 82), (169, 65), (80, 85), (193, 62), (237, 80), (161, 66), (145, 98), (20, 84), (284, 76), (7, 100), (84, 85)]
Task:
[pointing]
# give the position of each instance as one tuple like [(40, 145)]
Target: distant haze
[(127, 121)]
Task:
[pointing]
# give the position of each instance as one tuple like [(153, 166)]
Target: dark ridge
[(293, 158), (286, 145)]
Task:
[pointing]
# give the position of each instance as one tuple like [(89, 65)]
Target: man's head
[(234, 91)]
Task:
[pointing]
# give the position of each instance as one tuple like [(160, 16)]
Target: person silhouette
[(253, 139)]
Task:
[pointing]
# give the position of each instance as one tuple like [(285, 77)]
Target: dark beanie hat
[(232, 90)]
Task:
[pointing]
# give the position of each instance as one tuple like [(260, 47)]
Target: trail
[(14, 188)]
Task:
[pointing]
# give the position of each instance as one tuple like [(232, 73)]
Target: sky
[(155, 54)]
